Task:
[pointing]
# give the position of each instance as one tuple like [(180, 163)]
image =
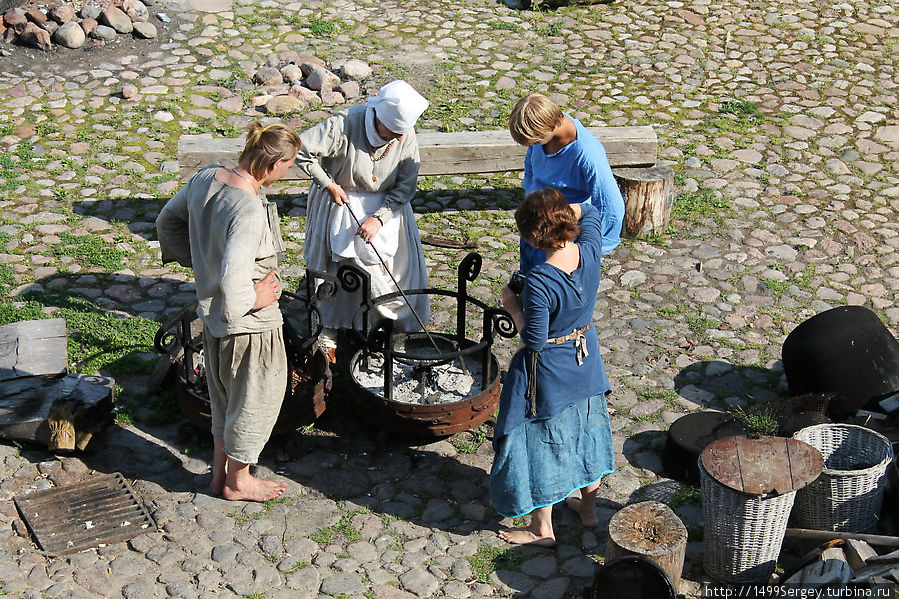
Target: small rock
[(35, 37), (36, 16), (129, 90), (50, 27), (268, 76), (90, 11), (331, 98), (103, 32), (144, 30), (15, 19), (322, 79), (118, 20), (88, 24), (291, 73), (309, 64), (349, 89), (70, 35), (283, 104), (306, 95), (136, 10), (355, 69), (62, 13)]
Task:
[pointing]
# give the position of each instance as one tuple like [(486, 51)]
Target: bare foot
[(586, 512), (218, 484), (524, 536), (254, 489)]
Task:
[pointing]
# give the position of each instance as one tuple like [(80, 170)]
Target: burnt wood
[(764, 465), (444, 153), (33, 347)]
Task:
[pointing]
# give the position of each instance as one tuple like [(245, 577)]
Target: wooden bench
[(472, 152)]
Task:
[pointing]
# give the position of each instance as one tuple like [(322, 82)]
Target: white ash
[(452, 384)]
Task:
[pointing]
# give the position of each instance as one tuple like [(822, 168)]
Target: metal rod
[(397, 285)]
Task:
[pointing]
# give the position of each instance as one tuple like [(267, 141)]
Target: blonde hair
[(533, 118), (267, 145)]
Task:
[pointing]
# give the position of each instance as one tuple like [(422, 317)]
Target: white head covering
[(398, 106)]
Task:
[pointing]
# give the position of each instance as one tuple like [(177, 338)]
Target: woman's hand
[(369, 228), (268, 290), (512, 304), (338, 195)]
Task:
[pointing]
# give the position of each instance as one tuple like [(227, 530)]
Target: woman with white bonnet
[(366, 159)]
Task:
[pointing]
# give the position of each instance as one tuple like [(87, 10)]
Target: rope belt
[(572, 335), (580, 343)]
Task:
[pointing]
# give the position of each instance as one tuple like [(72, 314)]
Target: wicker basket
[(848, 495), (743, 532)]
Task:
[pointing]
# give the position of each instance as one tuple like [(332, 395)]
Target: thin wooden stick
[(826, 535)]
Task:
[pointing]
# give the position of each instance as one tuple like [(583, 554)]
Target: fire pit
[(431, 382), (309, 377)]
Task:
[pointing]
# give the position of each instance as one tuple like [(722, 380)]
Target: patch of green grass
[(487, 560), (553, 29), (124, 415), (164, 408), (470, 444), (255, 595), (97, 340), (739, 108), (686, 494), (7, 278), (703, 203), (699, 324), (504, 26), (762, 422), (89, 250), (323, 28), (344, 529)]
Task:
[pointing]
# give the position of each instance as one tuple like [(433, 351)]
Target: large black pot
[(630, 577), (845, 350)]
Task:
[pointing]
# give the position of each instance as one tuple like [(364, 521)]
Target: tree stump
[(649, 529), (648, 196)]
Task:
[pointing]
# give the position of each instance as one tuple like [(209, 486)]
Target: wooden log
[(648, 197), (26, 403), (829, 573), (444, 153), (33, 347), (649, 529)]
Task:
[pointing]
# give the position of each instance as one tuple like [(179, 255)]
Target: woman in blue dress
[(563, 154), (553, 434)]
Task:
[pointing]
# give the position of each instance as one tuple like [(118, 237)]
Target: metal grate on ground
[(98, 510)]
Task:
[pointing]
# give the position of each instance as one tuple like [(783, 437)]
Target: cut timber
[(858, 553), (25, 404), (444, 153), (33, 347), (827, 535), (651, 530), (648, 196)]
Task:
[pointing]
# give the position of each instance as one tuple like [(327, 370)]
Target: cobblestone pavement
[(780, 120)]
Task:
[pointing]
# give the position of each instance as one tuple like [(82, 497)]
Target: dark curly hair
[(545, 219)]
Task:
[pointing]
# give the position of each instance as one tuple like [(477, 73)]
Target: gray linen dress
[(338, 150)]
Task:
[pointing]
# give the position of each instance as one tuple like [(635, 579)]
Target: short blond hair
[(533, 118), (267, 145)]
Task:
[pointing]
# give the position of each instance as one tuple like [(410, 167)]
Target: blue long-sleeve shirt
[(555, 304), (581, 171)]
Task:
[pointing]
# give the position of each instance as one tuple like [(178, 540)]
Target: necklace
[(383, 154), (235, 171)]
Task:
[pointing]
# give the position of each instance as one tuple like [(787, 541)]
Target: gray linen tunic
[(338, 150), (231, 239)]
